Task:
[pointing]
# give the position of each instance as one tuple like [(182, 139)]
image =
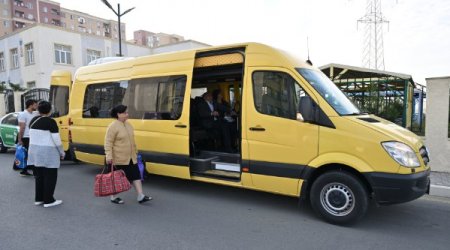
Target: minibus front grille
[(424, 154)]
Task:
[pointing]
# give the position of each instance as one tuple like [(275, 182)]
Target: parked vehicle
[(9, 129), (297, 133)]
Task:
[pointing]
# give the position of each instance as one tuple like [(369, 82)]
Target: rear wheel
[(3, 149), (339, 197)]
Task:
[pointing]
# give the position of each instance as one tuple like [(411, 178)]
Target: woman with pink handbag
[(120, 151)]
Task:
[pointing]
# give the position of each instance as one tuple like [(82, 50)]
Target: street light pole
[(119, 15)]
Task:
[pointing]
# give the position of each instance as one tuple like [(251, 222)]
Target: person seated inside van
[(227, 120), (210, 118)]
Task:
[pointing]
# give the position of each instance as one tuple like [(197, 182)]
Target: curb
[(442, 191)]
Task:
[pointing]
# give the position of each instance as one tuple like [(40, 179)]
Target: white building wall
[(436, 131), (185, 45), (44, 39)]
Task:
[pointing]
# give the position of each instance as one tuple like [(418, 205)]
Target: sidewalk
[(440, 184)]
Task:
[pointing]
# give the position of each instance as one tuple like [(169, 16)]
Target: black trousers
[(45, 184)]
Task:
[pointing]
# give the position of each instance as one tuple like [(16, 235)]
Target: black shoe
[(25, 173), (117, 201), (145, 199)]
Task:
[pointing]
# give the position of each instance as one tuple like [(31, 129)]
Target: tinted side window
[(99, 99), (276, 94), (59, 98), (159, 98), (11, 120)]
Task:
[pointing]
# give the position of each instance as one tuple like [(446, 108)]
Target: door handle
[(257, 129), (180, 126)]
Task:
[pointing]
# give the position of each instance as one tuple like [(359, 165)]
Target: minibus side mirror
[(306, 110)]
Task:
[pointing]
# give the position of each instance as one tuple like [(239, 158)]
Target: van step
[(200, 165), (220, 174), (226, 166), (224, 157)]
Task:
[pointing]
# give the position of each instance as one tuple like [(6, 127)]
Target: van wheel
[(3, 149), (339, 197)]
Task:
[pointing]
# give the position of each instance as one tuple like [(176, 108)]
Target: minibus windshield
[(329, 91)]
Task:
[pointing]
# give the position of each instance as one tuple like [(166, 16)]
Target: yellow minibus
[(249, 116)]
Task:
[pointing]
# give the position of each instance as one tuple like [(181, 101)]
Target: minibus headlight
[(402, 154)]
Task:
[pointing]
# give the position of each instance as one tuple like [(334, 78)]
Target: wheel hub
[(337, 199)]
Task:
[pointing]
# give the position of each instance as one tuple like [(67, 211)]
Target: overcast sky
[(417, 41)]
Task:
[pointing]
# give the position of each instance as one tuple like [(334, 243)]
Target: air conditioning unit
[(81, 20)]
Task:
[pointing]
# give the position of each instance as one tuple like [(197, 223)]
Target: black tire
[(339, 197), (3, 149)]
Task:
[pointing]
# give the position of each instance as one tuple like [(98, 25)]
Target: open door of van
[(60, 86)]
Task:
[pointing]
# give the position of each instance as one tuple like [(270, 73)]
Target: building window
[(2, 61), (6, 24), (29, 56), (5, 12), (46, 19), (14, 58), (30, 16), (29, 5), (45, 9), (92, 55), (31, 85), (63, 54)]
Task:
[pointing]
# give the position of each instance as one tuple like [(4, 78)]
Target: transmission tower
[(373, 20)]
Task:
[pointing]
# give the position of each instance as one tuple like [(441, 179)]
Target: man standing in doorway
[(24, 129)]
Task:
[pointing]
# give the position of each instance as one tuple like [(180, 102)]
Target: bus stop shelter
[(393, 96)]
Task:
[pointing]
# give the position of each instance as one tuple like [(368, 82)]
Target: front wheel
[(339, 197), (3, 149)]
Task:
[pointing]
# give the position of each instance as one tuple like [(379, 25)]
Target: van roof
[(270, 54)]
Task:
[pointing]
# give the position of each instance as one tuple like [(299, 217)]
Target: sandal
[(145, 199), (117, 201)]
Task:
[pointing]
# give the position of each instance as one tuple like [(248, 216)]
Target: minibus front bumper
[(398, 188)]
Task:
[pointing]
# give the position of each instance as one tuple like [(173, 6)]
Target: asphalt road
[(194, 215)]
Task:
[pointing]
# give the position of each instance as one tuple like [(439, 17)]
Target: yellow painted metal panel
[(168, 170), (278, 185), (62, 78), (90, 158)]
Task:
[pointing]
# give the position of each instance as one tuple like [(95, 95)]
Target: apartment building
[(81, 22), (5, 17), (28, 56), (152, 40), (18, 14)]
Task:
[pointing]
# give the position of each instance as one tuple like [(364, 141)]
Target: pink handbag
[(111, 183)]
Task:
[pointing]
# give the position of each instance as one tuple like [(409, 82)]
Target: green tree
[(16, 87)]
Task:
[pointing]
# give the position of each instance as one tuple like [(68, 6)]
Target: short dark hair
[(44, 107), (118, 110), (30, 102)]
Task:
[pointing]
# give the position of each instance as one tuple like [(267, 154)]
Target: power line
[(373, 47)]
